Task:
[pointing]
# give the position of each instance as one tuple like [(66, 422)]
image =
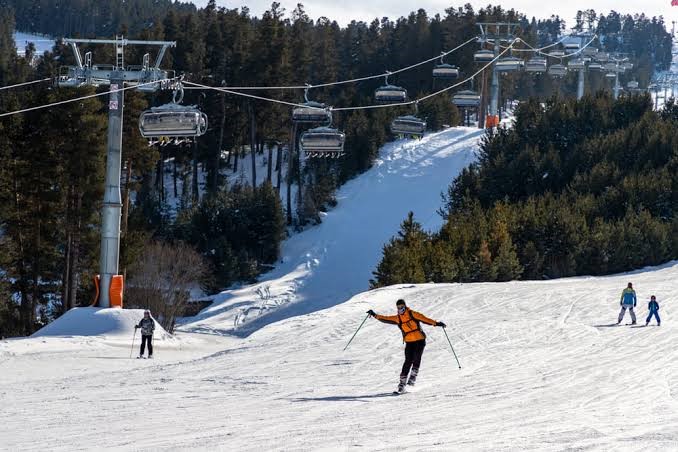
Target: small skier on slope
[(415, 340), (147, 326), (627, 301), (653, 307)]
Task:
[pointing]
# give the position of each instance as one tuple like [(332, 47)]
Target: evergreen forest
[(555, 195)]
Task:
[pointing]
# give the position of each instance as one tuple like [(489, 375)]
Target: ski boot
[(413, 377), (401, 386)]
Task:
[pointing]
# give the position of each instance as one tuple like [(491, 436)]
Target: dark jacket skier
[(653, 307), (409, 322), (147, 325), (627, 301)]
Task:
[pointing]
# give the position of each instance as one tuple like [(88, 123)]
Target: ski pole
[(132, 349), (450, 342), (356, 332)]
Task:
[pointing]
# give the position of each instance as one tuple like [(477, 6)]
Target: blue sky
[(345, 10)]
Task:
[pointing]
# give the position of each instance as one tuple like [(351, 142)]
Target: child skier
[(413, 336), (653, 307), (147, 326), (627, 301)]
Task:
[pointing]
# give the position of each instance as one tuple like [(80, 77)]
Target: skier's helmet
[(653, 297), (147, 312)]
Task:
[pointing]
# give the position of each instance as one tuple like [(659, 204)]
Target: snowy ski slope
[(542, 370), (542, 367), (328, 264)]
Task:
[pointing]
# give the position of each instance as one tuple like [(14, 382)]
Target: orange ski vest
[(408, 323)]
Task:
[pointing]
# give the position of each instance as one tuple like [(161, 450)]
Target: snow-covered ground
[(543, 366), (328, 264), (542, 369)]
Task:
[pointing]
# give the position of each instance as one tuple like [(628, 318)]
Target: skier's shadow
[(609, 325), (355, 398)]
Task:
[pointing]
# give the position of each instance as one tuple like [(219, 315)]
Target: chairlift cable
[(199, 86), (355, 80), (2, 88), (90, 96)]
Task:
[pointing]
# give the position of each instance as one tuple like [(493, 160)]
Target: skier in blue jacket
[(627, 301), (653, 307)]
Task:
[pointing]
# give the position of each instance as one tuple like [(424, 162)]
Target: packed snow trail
[(327, 264), (541, 371)]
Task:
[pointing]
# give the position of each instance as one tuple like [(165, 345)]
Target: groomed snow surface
[(542, 370), (263, 368)]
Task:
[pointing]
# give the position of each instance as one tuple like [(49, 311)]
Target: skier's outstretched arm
[(392, 319), (422, 318)]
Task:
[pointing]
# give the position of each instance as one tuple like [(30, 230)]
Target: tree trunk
[(299, 187), (194, 179), (290, 161), (253, 144), (66, 276), (162, 175), (269, 174), (214, 183), (75, 253), (278, 166), (236, 152), (174, 177)]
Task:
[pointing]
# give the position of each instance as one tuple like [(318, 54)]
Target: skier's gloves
[(136, 327), (441, 324), (372, 313)]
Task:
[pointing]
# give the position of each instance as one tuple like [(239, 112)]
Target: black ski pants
[(413, 352), (146, 339)]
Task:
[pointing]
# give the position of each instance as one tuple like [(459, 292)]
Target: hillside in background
[(572, 188)]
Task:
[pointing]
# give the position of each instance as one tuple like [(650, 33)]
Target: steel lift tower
[(496, 32), (147, 78)]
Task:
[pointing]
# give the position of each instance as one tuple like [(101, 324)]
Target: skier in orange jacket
[(409, 322)]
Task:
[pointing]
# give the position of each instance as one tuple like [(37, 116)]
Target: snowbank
[(100, 322)]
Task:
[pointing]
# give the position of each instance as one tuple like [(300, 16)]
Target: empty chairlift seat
[(408, 126), (571, 47), (390, 94), (557, 53), (589, 51), (632, 84), (536, 65), (558, 70), (311, 112), (173, 121), (595, 66), (576, 64), (466, 99), (483, 56), (509, 64), (446, 71), (323, 142)]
